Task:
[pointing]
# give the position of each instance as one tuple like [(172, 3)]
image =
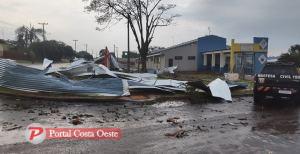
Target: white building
[(211, 53), (184, 56)]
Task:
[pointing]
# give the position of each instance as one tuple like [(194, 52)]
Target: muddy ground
[(211, 127)]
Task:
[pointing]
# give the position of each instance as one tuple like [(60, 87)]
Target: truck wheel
[(257, 98)]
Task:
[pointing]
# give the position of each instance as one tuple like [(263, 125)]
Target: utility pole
[(115, 50), (43, 24), (86, 47), (128, 38), (75, 41)]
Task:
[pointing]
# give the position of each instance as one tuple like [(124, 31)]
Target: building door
[(209, 62), (217, 62), (170, 62)]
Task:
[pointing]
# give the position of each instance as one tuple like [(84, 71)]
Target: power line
[(43, 24)]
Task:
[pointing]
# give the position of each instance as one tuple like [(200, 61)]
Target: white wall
[(184, 51)]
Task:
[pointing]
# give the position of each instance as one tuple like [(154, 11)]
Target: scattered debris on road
[(8, 126), (76, 120), (177, 134), (173, 120)]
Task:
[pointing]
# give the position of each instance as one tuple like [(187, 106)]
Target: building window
[(151, 59), (178, 58), (191, 58)]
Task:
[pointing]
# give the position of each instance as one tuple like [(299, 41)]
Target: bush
[(293, 55), (53, 50), (85, 55)]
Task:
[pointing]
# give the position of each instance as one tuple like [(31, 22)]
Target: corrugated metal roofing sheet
[(22, 78)]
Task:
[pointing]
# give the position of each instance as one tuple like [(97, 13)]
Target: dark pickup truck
[(277, 81)]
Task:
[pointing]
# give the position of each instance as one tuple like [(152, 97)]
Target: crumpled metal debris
[(136, 76), (149, 81), (108, 60), (170, 70), (83, 69), (217, 88), (86, 78), (220, 89), (237, 85), (47, 63), (16, 78)]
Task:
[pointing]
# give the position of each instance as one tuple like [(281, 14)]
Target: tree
[(85, 55), (143, 16), (27, 35), (293, 55), (53, 50)]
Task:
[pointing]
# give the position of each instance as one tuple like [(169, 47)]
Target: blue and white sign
[(263, 42)]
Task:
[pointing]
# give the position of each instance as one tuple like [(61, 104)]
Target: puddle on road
[(170, 104), (277, 118)]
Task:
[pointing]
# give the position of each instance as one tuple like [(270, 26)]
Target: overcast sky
[(239, 19)]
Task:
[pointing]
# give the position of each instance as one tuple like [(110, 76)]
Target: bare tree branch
[(144, 17)]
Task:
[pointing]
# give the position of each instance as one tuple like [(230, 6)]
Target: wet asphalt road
[(213, 127)]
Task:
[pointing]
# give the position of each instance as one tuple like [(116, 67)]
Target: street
[(149, 76), (211, 127)]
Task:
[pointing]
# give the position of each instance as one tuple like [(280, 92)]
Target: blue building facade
[(206, 44), (214, 55)]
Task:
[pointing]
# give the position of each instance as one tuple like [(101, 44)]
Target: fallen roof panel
[(22, 78)]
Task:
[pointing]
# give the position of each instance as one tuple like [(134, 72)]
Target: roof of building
[(156, 52), (210, 36)]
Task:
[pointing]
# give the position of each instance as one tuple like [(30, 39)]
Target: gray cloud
[(239, 19), (242, 19)]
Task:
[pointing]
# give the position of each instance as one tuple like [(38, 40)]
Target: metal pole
[(75, 41), (115, 50), (128, 47), (128, 40), (43, 24)]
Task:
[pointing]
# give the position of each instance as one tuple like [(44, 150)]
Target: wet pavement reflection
[(209, 126)]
